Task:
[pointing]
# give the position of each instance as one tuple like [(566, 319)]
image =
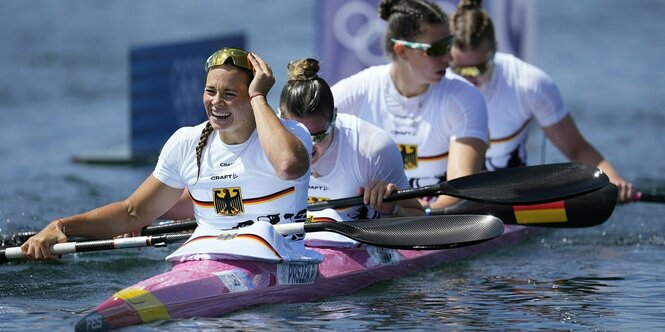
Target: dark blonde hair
[(472, 26), (405, 19), (305, 93)]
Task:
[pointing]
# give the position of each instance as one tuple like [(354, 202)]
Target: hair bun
[(469, 4), (303, 69), (386, 9)]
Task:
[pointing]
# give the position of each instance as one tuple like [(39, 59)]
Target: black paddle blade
[(583, 211), (422, 233), (527, 185)]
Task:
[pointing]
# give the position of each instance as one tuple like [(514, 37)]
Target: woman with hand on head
[(350, 156), (239, 166), (516, 92), (437, 119)]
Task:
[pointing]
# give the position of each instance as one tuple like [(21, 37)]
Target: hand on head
[(263, 76)]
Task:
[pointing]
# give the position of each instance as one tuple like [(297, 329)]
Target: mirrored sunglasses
[(237, 56), (474, 71), (438, 48), (318, 137)]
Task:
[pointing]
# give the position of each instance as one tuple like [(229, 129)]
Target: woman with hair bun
[(349, 156), (437, 119), (516, 92)]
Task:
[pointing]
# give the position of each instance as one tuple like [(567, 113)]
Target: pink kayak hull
[(213, 288)]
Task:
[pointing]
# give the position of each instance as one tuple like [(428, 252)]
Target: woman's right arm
[(468, 145), (286, 152), (148, 202), (385, 171), (183, 209)]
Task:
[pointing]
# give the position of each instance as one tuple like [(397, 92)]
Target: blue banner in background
[(351, 33), (166, 90)]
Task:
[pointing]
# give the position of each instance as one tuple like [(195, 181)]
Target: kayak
[(209, 288)]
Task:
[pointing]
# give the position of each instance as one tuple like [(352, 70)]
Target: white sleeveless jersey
[(517, 92), (422, 126), (237, 185), (359, 153)]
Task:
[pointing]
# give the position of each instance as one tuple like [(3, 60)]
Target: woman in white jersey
[(517, 92), (350, 156), (436, 118), (241, 166)]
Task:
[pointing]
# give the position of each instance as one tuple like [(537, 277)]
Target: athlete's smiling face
[(226, 102)]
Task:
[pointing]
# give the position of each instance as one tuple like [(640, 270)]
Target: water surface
[(63, 91)]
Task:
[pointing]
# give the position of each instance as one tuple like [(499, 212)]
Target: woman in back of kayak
[(242, 166), (517, 92), (350, 156)]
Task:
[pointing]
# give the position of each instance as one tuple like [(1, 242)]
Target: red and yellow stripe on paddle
[(540, 213)]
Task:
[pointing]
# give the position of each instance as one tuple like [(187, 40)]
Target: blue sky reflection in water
[(63, 91)]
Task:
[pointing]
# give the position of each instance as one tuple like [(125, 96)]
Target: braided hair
[(472, 26), (405, 19), (203, 140)]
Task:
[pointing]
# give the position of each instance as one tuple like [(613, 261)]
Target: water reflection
[(509, 301)]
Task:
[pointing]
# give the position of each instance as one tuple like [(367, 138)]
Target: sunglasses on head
[(318, 137), (474, 71), (237, 56), (438, 48)]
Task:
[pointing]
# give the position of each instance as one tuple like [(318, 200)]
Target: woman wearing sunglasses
[(242, 165), (350, 156), (437, 119), (517, 92)]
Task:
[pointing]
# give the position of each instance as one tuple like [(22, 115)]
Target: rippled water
[(63, 91)]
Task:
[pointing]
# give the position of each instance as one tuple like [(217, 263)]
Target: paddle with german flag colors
[(515, 186), (511, 186), (583, 211)]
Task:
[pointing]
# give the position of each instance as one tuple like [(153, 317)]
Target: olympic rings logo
[(357, 27)]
